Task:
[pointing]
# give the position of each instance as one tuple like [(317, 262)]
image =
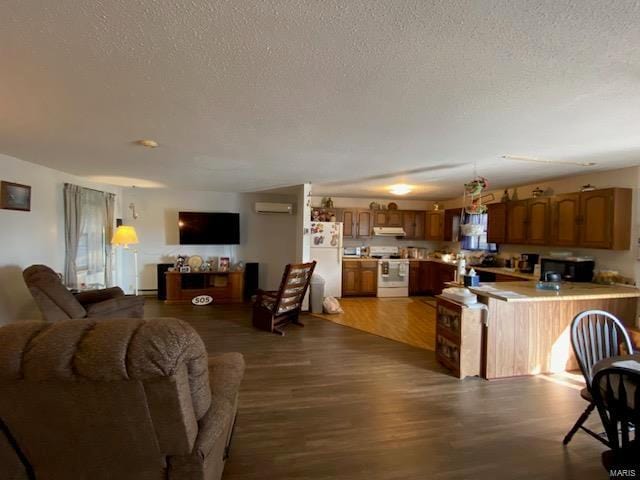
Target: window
[(477, 242), (89, 218)]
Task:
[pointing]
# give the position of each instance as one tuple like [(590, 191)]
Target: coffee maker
[(527, 262)]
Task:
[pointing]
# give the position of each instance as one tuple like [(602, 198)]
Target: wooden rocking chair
[(275, 309)]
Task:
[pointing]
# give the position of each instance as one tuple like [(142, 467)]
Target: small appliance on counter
[(551, 281), (489, 260), (527, 262), (570, 269), (352, 252)]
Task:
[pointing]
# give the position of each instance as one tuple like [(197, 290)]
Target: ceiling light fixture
[(522, 158), (400, 189), (147, 143)]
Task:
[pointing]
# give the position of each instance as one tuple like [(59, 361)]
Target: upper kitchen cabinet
[(451, 225), (413, 224), (348, 219), (528, 221), (356, 223), (565, 212), (604, 220), (363, 224), (517, 222), (434, 225), (497, 223), (538, 221), (387, 218)]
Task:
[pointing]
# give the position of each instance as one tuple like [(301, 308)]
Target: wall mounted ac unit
[(269, 207)]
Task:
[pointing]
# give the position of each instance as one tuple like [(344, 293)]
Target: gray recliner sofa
[(115, 398)]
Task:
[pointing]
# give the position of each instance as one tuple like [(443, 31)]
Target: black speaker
[(118, 222), (251, 274), (162, 281)]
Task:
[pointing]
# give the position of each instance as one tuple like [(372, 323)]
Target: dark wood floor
[(331, 402)]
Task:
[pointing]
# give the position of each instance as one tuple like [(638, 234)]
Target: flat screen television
[(209, 228)]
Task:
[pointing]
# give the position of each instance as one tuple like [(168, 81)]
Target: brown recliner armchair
[(56, 302), (115, 398)]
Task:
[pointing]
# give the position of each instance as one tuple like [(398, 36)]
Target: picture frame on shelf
[(224, 264), (15, 196)]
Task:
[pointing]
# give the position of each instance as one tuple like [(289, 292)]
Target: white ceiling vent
[(269, 207)]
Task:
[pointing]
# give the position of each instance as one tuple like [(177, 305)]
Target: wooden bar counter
[(527, 330)]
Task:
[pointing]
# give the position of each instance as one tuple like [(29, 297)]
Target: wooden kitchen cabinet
[(595, 219), (528, 221), (359, 278), (538, 221), (413, 224), (387, 218), (517, 222), (451, 225), (363, 225), (414, 278), (409, 224), (421, 276), (497, 223), (434, 225), (348, 219), (369, 278), (350, 278), (379, 218), (356, 223), (605, 219), (565, 213), (443, 273), (394, 218)]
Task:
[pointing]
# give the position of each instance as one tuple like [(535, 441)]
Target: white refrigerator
[(326, 250)]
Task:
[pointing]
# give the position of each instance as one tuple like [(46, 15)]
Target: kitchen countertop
[(527, 291)]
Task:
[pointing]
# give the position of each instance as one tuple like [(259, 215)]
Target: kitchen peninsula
[(526, 331)]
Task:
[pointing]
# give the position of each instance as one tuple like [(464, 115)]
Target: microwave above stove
[(571, 269)]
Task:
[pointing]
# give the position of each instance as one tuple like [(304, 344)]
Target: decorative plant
[(476, 186)]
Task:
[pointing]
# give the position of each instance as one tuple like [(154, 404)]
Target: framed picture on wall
[(14, 196)]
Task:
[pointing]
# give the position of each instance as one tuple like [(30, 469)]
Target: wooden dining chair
[(275, 309), (616, 394), (595, 335)]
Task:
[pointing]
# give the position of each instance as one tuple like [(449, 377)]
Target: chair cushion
[(586, 394)]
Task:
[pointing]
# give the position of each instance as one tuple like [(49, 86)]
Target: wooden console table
[(224, 287)]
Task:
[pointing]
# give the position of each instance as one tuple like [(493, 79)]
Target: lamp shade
[(125, 235)]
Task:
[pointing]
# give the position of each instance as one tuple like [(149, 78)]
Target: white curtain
[(89, 226)]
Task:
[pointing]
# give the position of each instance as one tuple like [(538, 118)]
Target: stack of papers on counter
[(507, 294)]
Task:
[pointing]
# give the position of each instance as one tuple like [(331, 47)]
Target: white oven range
[(393, 273)]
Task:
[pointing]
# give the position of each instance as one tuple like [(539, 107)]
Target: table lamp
[(124, 236)]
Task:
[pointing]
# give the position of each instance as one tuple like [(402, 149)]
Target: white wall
[(623, 261), (267, 239), (33, 237), (303, 224)]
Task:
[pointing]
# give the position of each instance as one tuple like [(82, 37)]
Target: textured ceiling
[(251, 95)]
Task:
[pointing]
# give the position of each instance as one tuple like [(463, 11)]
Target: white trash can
[(317, 293)]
